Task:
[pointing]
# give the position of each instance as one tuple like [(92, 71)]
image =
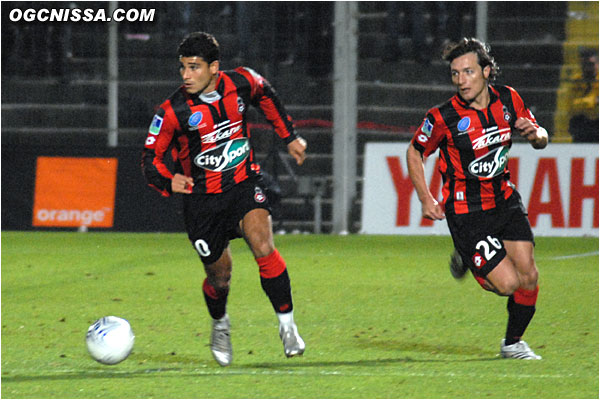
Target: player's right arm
[(430, 208), (422, 142), (160, 136)]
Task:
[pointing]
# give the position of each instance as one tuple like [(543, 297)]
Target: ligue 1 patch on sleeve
[(427, 127), (155, 125)]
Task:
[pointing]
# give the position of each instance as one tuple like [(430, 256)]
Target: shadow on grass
[(422, 347), (289, 367), (359, 363)]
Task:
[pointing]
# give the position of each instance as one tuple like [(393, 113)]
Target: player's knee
[(220, 282), (262, 248), (218, 273), (529, 279)]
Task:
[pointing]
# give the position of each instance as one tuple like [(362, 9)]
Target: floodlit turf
[(381, 317)]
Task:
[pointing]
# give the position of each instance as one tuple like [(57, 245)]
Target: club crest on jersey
[(259, 196), (195, 120), (241, 105), (507, 116), (225, 156)]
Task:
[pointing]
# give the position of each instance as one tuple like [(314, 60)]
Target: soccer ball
[(110, 340)]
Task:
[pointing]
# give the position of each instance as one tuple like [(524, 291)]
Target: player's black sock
[(521, 307), (216, 300), (279, 291)]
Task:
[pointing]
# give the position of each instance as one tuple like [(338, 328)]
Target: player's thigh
[(519, 243), (521, 254), (504, 277), (257, 230), (252, 215), (206, 227)]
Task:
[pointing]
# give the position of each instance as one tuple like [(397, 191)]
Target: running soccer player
[(491, 233), (203, 126)]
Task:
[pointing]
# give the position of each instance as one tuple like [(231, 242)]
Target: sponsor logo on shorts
[(490, 165), (225, 156), (478, 260)]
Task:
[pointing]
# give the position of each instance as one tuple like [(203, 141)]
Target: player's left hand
[(526, 128), (297, 149)]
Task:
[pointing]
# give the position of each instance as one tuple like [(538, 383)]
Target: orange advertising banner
[(75, 192)]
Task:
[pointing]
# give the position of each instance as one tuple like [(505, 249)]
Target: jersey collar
[(465, 104)]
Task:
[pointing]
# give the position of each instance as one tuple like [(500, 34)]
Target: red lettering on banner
[(513, 167), (404, 188), (546, 170), (435, 184), (579, 191)]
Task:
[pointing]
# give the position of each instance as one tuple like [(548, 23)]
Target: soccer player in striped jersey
[(203, 127), (491, 233)]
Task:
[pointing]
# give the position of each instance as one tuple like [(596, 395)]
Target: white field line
[(591, 253), (293, 372)]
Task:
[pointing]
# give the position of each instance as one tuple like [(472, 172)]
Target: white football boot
[(293, 345), (518, 350), (220, 342)]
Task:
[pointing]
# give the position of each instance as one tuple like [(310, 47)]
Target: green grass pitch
[(381, 317)]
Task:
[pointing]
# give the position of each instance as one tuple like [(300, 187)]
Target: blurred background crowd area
[(548, 51), (55, 77)]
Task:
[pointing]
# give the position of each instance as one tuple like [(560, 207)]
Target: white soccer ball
[(110, 340)]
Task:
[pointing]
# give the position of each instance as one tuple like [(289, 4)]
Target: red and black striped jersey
[(208, 137), (474, 147)]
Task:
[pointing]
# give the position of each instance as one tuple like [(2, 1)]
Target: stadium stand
[(581, 32), (526, 38)]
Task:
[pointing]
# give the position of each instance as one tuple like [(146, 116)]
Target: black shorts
[(212, 220), (479, 236)]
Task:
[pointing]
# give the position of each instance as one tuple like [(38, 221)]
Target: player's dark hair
[(468, 45), (199, 44)]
